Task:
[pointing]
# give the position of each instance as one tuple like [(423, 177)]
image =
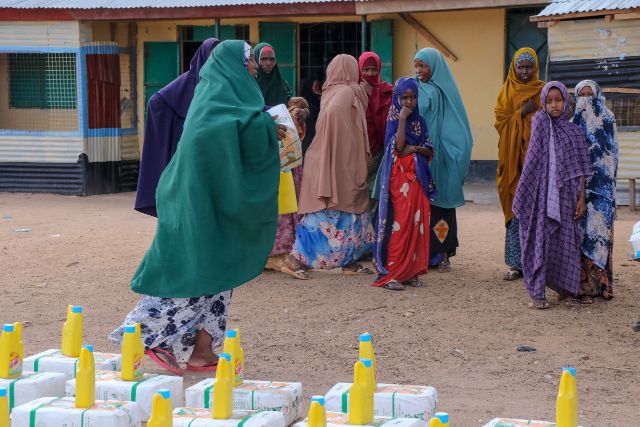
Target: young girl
[(550, 199), (402, 244)]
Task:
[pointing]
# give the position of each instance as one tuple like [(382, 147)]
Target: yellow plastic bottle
[(361, 395), (11, 350), (223, 389), (86, 379), (72, 332), (440, 419), (567, 401), (233, 348), (287, 201), (366, 352), (132, 354), (4, 408), (317, 412), (161, 409)]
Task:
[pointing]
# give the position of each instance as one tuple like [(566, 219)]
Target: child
[(550, 199), (402, 244)]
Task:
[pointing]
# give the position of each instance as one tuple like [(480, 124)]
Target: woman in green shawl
[(273, 86), (217, 204), (440, 104)]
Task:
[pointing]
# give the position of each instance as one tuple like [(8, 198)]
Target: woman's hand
[(405, 113), (528, 108), (367, 87), (581, 208), (282, 132), (425, 151)]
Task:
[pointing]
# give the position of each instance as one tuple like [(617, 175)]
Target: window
[(193, 36), (42, 80), (626, 109)]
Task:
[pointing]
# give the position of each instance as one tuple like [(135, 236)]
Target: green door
[(382, 44), (201, 33), (523, 33), (161, 66), (282, 36)]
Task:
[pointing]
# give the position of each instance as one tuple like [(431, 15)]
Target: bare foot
[(200, 360)]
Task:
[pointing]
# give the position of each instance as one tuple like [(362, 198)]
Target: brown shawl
[(335, 165)]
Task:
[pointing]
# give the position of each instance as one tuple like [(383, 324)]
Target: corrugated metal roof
[(563, 7), (135, 4)]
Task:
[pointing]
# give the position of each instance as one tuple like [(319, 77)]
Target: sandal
[(539, 304), (394, 285), (444, 267), (153, 355), (571, 301), (298, 274), (207, 368), (415, 282), (586, 299), (356, 268), (512, 274)]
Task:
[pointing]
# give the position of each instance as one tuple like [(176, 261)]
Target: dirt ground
[(459, 334)]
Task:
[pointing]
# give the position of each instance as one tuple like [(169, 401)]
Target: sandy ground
[(459, 334)]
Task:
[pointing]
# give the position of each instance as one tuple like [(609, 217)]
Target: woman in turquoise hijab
[(440, 104)]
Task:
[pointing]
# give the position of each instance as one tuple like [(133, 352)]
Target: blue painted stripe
[(97, 133), (104, 50), (36, 49), (83, 96), (11, 132)]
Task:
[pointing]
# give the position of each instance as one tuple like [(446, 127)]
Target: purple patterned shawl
[(546, 198)]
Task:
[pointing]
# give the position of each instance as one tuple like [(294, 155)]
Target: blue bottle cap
[(8, 327), (88, 347), (76, 309), (366, 362), (571, 370), (225, 355), (442, 416), (164, 392), (365, 338), (3, 392), (231, 333), (130, 329), (319, 399)]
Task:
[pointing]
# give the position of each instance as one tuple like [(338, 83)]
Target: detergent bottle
[(366, 352), (86, 379), (233, 348), (11, 350), (72, 332), (567, 401), (132, 354), (361, 395), (440, 419), (223, 388), (317, 413), (161, 409), (4, 408)]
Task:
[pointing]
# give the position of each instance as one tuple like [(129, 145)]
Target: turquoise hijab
[(441, 106)]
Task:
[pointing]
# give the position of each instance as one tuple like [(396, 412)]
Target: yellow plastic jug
[(440, 419), (567, 401), (11, 350), (4, 408), (366, 352), (72, 332), (287, 200), (161, 409), (361, 395), (317, 412), (86, 379), (132, 354), (233, 348), (223, 388)]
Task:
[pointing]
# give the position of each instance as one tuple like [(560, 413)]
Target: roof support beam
[(424, 32)]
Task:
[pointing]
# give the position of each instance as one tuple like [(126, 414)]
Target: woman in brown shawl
[(336, 229)]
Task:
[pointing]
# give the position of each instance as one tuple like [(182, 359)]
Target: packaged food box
[(290, 146), (109, 386), (33, 385), (62, 411), (513, 422), (200, 417), (55, 361), (341, 419), (253, 395), (389, 400)]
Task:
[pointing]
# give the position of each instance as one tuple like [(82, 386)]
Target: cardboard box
[(253, 395), (335, 419), (290, 146), (513, 422), (192, 417), (390, 400), (109, 386), (61, 411), (32, 385), (55, 361)]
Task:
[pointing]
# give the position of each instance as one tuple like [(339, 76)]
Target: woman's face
[(423, 71), (370, 71), (524, 71), (409, 99), (267, 61), (554, 103), (586, 91), (252, 67)]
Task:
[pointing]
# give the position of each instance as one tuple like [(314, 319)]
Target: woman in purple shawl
[(550, 199), (166, 112)]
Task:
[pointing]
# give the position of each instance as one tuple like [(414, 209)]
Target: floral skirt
[(512, 252), (172, 323), (330, 239)]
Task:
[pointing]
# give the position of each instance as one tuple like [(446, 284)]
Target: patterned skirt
[(512, 253), (444, 234)]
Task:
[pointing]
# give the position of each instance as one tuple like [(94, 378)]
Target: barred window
[(42, 80), (626, 108)]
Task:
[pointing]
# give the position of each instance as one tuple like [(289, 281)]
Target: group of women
[(556, 180)]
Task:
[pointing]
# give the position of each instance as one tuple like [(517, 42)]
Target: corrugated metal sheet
[(608, 72), (628, 165), (129, 149), (40, 34), (40, 149), (60, 178), (563, 7), (131, 4), (594, 38), (103, 148)]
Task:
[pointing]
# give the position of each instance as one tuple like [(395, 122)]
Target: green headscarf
[(217, 199), (273, 86), (441, 106)]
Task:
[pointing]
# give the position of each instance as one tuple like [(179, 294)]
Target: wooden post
[(632, 194), (218, 28), (422, 30), (363, 34)]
